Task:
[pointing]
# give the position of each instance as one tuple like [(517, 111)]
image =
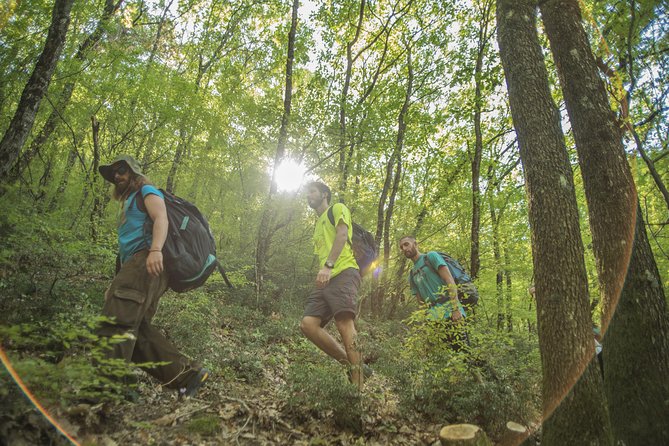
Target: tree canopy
[(404, 108)]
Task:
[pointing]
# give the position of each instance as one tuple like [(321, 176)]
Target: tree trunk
[(384, 221), (573, 400), (343, 137), (637, 347), (509, 288), (499, 276), (651, 167), (69, 164), (170, 184), (483, 37), (96, 212), (265, 230), (37, 86), (63, 100)]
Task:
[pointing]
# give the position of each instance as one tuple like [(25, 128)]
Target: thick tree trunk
[(19, 128), (637, 346), (573, 399), (265, 230)]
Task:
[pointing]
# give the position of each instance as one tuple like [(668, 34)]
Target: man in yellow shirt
[(337, 282)]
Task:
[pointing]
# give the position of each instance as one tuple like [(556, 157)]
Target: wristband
[(155, 250)]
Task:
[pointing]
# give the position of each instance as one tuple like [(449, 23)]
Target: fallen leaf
[(166, 420)]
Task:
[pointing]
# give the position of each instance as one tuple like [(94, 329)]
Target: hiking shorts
[(338, 297)]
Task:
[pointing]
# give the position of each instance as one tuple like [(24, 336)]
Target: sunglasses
[(121, 170)]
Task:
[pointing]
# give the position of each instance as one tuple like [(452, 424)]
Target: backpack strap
[(429, 263), (332, 222), (138, 199)]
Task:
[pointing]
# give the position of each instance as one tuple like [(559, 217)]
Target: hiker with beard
[(132, 298), (434, 286), (336, 284)]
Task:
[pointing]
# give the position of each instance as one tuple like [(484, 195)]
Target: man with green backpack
[(432, 280)]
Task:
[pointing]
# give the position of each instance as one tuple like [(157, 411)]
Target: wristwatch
[(329, 264)]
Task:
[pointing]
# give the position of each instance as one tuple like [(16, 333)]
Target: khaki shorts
[(337, 298)]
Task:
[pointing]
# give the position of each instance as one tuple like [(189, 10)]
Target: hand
[(456, 314), (154, 263), (323, 277)]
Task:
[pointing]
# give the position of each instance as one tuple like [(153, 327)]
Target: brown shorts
[(336, 298)]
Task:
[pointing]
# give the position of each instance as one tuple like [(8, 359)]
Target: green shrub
[(495, 380), (48, 269), (65, 363), (315, 390)]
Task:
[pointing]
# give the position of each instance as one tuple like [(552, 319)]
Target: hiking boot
[(194, 384)]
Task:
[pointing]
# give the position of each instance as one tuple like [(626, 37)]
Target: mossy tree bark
[(571, 384), (634, 315)]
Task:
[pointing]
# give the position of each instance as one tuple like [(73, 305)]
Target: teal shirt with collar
[(428, 283)]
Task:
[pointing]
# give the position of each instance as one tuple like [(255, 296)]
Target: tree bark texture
[(574, 410), (19, 128), (599, 145), (637, 344)]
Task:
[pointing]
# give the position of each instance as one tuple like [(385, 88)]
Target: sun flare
[(289, 175)]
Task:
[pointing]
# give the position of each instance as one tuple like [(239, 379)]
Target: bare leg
[(348, 333), (311, 327)]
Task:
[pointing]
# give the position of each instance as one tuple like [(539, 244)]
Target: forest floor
[(240, 414), (268, 386)]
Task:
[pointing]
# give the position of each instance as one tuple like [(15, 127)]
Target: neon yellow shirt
[(324, 236)]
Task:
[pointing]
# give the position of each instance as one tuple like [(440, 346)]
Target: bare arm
[(448, 279), (341, 237), (155, 207), (339, 242)]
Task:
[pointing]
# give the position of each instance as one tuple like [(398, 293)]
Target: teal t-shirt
[(427, 282), (131, 236)]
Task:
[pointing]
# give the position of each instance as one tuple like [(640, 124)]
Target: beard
[(313, 204), (410, 254), (121, 188)]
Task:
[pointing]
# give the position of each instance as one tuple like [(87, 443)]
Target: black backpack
[(467, 292), (189, 252), (363, 245)]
